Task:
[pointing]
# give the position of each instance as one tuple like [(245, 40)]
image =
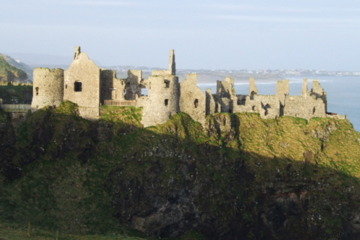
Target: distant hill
[(12, 70)]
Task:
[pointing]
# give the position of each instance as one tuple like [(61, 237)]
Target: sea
[(343, 92)]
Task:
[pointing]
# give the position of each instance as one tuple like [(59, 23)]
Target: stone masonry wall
[(48, 87), (192, 99), (225, 95), (282, 90), (132, 89), (162, 101), (112, 88), (85, 84), (309, 107), (82, 85)]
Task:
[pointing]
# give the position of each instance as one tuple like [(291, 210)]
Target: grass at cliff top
[(326, 141), (68, 161), (128, 115), (10, 232)]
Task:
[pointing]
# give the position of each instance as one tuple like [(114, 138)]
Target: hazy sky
[(253, 34)]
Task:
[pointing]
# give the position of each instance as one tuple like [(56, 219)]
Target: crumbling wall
[(253, 89), (225, 95), (298, 106), (162, 101), (172, 66), (48, 87), (268, 106), (132, 87), (112, 88), (88, 86), (282, 90), (106, 84), (319, 92), (210, 102), (192, 99), (82, 85), (310, 104)]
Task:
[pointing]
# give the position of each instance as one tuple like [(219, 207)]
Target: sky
[(206, 34)]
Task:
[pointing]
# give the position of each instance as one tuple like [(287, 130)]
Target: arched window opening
[(314, 110), (166, 102), (37, 91), (78, 86), (167, 83), (253, 108), (196, 103)]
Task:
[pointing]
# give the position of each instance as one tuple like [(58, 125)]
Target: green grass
[(128, 115), (16, 232), (75, 169), (16, 94)]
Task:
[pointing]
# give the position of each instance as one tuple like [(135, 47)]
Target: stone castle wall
[(162, 101), (85, 84), (48, 87), (192, 99), (82, 85)]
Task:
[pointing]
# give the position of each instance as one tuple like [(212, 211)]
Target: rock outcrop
[(239, 177)]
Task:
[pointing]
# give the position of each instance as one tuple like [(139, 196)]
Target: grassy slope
[(63, 181)]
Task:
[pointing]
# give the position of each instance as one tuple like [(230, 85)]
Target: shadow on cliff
[(80, 176)]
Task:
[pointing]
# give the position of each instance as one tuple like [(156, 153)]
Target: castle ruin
[(89, 86)]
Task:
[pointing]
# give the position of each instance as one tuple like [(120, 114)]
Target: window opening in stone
[(196, 103), (144, 92), (314, 110), (65, 86), (78, 86), (167, 83), (267, 106), (37, 91), (253, 108), (166, 102), (252, 94)]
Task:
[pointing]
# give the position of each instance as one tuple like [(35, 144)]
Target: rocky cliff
[(240, 177)]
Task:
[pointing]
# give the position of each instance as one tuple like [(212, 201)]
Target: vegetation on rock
[(239, 177)]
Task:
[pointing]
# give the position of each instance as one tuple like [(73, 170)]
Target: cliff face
[(241, 177)]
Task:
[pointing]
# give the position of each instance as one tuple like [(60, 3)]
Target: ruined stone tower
[(48, 87), (172, 64), (82, 84), (162, 101), (161, 96), (193, 99)]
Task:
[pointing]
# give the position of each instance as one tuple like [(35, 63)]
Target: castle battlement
[(89, 86)]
